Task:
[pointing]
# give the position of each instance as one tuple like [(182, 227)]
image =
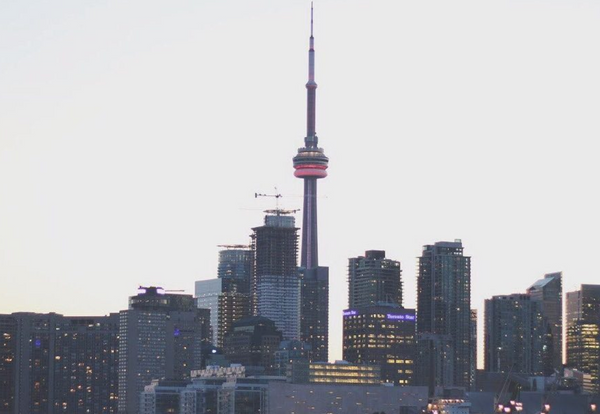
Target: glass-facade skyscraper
[(276, 283)]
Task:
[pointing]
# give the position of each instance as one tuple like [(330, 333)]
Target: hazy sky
[(133, 136)]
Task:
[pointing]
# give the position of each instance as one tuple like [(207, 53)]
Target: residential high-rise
[(51, 363), (373, 279), (583, 332), (275, 282), (548, 292), (235, 272), (160, 336), (382, 335), (444, 305), (514, 334), (311, 164)]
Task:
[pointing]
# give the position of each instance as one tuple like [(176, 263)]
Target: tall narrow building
[(310, 164), (583, 332), (548, 293), (235, 271), (275, 282), (374, 279), (444, 309)]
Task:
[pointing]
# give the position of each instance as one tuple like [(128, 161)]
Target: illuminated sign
[(350, 313), (400, 317)]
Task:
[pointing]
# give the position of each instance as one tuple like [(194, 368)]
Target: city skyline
[(108, 177)]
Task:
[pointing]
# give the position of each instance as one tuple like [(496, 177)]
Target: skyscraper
[(229, 295), (548, 292), (207, 293), (276, 282), (514, 334), (373, 279), (51, 363), (583, 332), (310, 164), (160, 336), (444, 307), (235, 272)]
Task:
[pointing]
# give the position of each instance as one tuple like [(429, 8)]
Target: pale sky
[(133, 136)]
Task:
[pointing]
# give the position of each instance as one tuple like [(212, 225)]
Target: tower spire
[(311, 139)]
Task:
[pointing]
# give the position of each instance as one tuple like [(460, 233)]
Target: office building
[(235, 393), (276, 281), (340, 372), (382, 335), (444, 305), (50, 363), (373, 279), (310, 165), (583, 332), (286, 398), (548, 293), (253, 342), (161, 336), (514, 334)]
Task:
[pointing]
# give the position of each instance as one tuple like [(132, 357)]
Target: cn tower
[(310, 164)]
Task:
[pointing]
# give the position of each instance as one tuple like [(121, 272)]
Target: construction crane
[(277, 196), (233, 246), (277, 211)]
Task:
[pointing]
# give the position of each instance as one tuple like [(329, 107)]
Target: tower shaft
[(310, 243)]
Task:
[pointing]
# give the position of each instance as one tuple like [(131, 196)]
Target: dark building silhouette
[(161, 336), (253, 342), (8, 351), (373, 279), (548, 293), (583, 332), (434, 361), (444, 308), (474, 318), (382, 335), (276, 282), (50, 363), (311, 164), (514, 334)]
